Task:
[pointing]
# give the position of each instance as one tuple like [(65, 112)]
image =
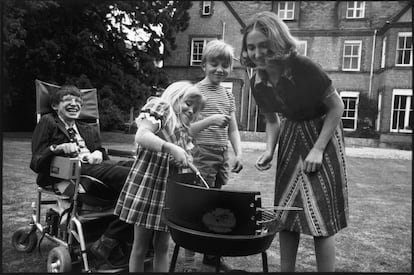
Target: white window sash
[(305, 46), (351, 12), (205, 5), (194, 62), (409, 94), (286, 13), (404, 50), (352, 57), (384, 45), (351, 95)]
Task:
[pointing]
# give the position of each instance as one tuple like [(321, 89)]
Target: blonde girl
[(162, 136)]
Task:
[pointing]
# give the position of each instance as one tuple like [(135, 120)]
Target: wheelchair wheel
[(59, 260), (24, 239)]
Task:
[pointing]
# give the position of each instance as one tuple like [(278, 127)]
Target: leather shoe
[(109, 250), (211, 260)]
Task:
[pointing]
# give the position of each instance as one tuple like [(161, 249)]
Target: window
[(351, 56), (228, 86), (302, 47), (355, 9), (402, 111), (286, 10), (384, 44), (197, 46), (350, 114), (404, 49), (206, 8)]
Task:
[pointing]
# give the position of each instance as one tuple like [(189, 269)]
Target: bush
[(110, 116)]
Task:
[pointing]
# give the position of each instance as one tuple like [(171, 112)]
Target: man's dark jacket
[(49, 131)]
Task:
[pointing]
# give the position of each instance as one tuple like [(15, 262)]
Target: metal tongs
[(198, 174)]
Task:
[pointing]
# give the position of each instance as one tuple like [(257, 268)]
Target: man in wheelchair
[(60, 133)]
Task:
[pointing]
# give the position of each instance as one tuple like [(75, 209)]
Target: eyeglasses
[(70, 98)]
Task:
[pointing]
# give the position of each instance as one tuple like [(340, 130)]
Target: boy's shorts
[(213, 163)]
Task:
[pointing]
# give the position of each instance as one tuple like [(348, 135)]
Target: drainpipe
[(224, 28), (371, 75)]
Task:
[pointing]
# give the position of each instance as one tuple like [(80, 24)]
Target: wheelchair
[(69, 220)]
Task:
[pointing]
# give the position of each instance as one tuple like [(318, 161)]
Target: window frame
[(409, 94), (286, 10), (350, 94), (305, 43), (348, 43), (410, 50), (193, 39), (383, 51), (354, 10), (204, 5)]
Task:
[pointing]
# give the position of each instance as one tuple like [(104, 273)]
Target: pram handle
[(198, 174)]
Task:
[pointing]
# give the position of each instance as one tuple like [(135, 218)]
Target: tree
[(62, 41)]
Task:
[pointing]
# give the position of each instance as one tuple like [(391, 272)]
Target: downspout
[(223, 29), (371, 75)]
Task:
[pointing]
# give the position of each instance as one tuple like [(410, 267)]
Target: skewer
[(282, 208), (198, 174)]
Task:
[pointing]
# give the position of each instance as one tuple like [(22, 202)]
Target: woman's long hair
[(282, 43)]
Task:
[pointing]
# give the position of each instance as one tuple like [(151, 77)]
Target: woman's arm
[(234, 137), (335, 108), (272, 137)]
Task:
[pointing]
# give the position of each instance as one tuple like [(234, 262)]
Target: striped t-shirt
[(218, 101)]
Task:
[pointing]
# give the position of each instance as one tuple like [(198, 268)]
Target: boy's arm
[(216, 119), (234, 136)]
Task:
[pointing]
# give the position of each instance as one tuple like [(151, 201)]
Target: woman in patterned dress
[(162, 132), (311, 171)]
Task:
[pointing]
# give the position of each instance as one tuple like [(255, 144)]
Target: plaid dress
[(141, 201)]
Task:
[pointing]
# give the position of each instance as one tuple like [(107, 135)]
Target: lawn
[(378, 239)]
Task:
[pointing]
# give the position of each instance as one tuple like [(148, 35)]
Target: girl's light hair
[(177, 92), (218, 49), (282, 43)]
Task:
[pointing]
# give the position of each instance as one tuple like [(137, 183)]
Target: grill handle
[(198, 174)]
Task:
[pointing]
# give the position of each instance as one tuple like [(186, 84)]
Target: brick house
[(364, 46)]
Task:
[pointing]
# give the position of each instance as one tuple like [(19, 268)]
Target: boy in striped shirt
[(217, 124)]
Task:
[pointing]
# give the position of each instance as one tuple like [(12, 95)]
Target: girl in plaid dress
[(163, 140)]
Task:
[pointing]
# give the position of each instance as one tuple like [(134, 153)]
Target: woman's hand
[(313, 161), (264, 161)]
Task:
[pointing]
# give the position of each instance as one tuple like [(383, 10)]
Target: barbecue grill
[(218, 222)]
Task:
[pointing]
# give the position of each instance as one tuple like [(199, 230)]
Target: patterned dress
[(323, 195), (141, 201)]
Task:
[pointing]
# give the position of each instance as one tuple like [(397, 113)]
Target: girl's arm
[(146, 138), (234, 136), (335, 107), (272, 137)]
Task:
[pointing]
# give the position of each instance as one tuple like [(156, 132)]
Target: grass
[(378, 238)]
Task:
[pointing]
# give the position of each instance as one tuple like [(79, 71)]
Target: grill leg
[(174, 258), (264, 262), (217, 264)]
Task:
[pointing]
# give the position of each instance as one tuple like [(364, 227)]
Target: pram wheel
[(59, 260), (24, 239)]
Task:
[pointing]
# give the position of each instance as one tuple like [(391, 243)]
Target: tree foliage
[(84, 42)]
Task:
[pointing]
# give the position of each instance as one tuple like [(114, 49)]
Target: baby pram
[(72, 219)]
